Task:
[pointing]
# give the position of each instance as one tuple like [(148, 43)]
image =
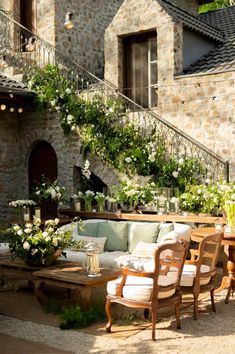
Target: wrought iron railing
[(13, 48)]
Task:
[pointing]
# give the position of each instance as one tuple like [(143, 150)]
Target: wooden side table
[(228, 281)]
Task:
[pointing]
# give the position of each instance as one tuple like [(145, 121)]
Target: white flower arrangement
[(22, 203), (35, 244), (47, 190)]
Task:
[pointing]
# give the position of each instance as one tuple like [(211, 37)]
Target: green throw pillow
[(89, 228), (143, 232), (116, 233), (164, 229)]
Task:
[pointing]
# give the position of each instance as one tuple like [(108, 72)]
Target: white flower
[(55, 242), (45, 234), (19, 232), (175, 174), (47, 239), (57, 221), (70, 119), (128, 159), (26, 245), (181, 161), (53, 103), (68, 91), (27, 231)]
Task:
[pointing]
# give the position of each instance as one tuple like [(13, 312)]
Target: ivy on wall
[(99, 121)]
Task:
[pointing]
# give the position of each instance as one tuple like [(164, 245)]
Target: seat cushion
[(189, 273), (145, 250), (140, 288)]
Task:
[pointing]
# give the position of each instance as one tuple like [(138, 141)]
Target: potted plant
[(37, 245), (47, 195)]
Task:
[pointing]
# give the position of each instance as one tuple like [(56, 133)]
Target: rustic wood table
[(73, 278), (228, 281), (198, 219), (16, 269)]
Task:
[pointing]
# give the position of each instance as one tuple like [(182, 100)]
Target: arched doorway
[(43, 163)]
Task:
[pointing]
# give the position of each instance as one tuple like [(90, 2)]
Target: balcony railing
[(13, 41)]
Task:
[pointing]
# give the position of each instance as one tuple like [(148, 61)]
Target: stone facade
[(18, 135), (200, 105)]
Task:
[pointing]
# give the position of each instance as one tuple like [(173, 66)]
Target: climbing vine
[(99, 121)]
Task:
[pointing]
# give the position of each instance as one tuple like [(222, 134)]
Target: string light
[(3, 107), (20, 110), (12, 109)]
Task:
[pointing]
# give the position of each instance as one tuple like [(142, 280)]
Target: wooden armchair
[(150, 290), (198, 274)]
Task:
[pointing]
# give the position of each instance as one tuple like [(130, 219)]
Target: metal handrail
[(179, 143)]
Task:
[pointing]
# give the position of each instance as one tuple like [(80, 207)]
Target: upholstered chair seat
[(189, 274), (150, 282)]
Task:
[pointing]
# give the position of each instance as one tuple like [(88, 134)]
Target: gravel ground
[(212, 332)]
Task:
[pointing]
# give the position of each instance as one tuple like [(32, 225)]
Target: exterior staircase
[(16, 61)]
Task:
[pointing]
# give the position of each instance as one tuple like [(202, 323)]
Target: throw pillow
[(116, 233), (85, 239), (164, 229), (146, 232), (89, 228), (145, 250)]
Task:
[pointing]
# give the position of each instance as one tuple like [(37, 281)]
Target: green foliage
[(209, 198), (75, 317), (217, 4), (106, 132)]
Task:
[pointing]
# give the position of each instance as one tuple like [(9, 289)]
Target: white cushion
[(189, 273), (140, 288), (136, 263), (106, 259), (143, 249)]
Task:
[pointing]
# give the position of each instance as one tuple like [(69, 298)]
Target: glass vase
[(88, 206), (229, 213)]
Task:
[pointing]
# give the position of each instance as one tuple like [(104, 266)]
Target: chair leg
[(195, 311), (154, 319), (177, 315), (212, 301), (109, 315)]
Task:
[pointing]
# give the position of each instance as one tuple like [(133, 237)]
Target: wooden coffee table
[(73, 278)]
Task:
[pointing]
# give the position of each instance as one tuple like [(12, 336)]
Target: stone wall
[(202, 106), (146, 16), (18, 134), (10, 162), (85, 42)]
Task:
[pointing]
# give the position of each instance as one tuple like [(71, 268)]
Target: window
[(140, 68)]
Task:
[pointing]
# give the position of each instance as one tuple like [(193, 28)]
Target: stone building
[(192, 80)]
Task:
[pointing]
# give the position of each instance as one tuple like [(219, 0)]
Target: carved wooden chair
[(199, 272), (151, 289)]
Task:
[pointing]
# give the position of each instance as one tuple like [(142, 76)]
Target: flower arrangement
[(36, 244), (46, 191), (133, 194), (87, 196), (20, 205), (208, 198), (100, 198)]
